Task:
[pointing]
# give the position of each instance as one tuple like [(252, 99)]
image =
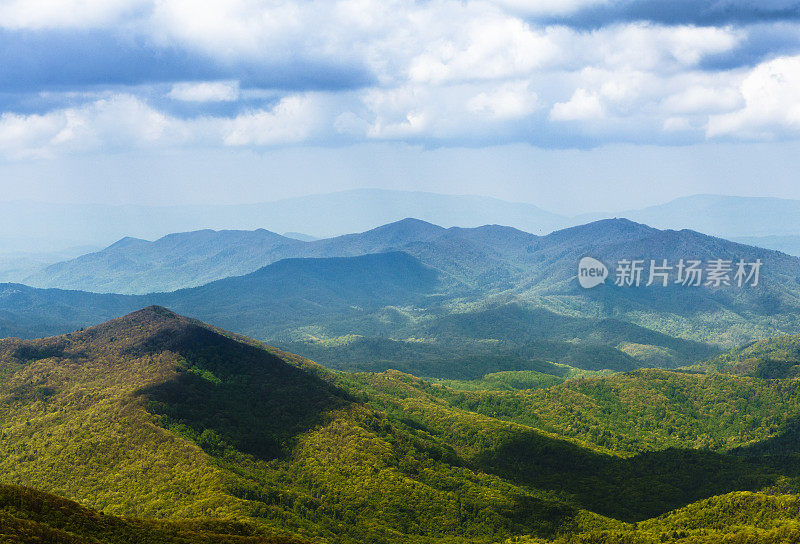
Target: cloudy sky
[(571, 104)]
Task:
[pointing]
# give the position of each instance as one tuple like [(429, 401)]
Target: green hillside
[(772, 358), (746, 518), (29, 516), (158, 416), (155, 415), (629, 413)]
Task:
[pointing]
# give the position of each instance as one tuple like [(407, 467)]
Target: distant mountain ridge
[(181, 260), (59, 226)]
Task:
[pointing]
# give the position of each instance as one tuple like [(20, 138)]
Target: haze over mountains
[(31, 227)]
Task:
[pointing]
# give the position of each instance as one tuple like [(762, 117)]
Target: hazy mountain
[(39, 227), (726, 216), (300, 236), (276, 298), (297, 293), (789, 244), (479, 255), (456, 301), (188, 259), (16, 265)]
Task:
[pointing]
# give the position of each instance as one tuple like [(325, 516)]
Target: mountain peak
[(603, 230), (409, 227)]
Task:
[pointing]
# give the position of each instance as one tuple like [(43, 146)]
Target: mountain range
[(134, 266), (433, 301), (32, 227)]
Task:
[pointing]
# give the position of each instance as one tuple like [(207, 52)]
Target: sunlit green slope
[(28, 516), (156, 415)]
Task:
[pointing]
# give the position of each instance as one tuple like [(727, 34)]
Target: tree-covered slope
[(777, 357), (156, 415), (639, 411), (739, 517), (27, 516)]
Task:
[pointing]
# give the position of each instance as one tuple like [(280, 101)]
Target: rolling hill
[(771, 358), (27, 515), (157, 415), (133, 265)]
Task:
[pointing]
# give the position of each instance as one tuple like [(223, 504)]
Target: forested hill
[(771, 358), (156, 415), (132, 266), (28, 516)]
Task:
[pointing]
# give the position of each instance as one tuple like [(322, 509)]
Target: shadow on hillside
[(631, 489), (785, 443), (233, 396)]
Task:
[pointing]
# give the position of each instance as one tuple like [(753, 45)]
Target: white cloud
[(704, 99), (548, 7), (677, 124), (490, 47), (124, 121), (771, 94), (294, 119), (508, 101), (41, 14), (645, 46), (115, 121), (207, 91), (584, 105)]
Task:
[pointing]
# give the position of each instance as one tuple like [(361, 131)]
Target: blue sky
[(581, 104)]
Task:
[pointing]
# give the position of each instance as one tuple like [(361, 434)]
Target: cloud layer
[(88, 75)]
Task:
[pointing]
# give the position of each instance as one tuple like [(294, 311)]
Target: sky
[(573, 105)]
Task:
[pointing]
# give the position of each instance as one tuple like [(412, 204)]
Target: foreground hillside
[(29, 516), (154, 415), (746, 518)]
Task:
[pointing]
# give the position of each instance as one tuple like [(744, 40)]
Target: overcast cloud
[(88, 75)]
